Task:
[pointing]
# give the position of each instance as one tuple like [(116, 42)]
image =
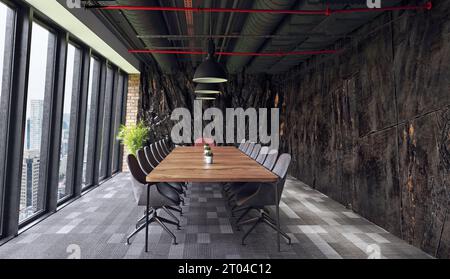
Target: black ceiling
[(237, 32)]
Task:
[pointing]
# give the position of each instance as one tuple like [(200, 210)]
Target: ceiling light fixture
[(210, 71), (205, 97), (207, 88)]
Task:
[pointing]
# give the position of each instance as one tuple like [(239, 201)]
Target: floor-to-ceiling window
[(89, 137), (67, 143), (7, 23), (57, 114), (117, 121), (40, 80)]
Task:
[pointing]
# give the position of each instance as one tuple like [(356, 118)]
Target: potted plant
[(209, 157), (133, 136), (206, 148)]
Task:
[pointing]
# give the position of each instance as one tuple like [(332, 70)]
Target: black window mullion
[(106, 124), (92, 161), (99, 123), (16, 128), (74, 131), (5, 93), (81, 125), (119, 121), (55, 105), (112, 123), (123, 116)]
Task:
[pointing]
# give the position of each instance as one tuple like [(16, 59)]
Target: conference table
[(187, 164)]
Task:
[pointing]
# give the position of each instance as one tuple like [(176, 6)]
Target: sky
[(38, 64)]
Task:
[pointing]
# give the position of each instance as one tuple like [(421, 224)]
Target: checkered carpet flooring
[(96, 226)]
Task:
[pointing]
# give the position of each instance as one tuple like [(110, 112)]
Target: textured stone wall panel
[(422, 55), (377, 195)]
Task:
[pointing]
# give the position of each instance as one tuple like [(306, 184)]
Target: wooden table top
[(186, 164)]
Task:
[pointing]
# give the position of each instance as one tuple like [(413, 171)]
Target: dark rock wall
[(162, 93), (369, 127)]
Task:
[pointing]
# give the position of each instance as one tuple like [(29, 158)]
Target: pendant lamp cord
[(211, 46)]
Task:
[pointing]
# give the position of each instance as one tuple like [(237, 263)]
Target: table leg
[(277, 207), (146, 218)]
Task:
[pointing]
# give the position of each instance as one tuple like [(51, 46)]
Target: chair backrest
[(165, 146), (202, 141), (250, 147), (155, 153), (271, 159), (282, 165), (143, 162), (255, 151), (244, 146), (137, 176), (281, 169), (161, 150), (150, 158), (262, 154), (241, 146)]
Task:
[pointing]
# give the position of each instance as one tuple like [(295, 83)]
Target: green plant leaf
[(133, 136)]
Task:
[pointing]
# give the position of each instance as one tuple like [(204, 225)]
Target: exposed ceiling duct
[(269, 36), (143, 23), (341, 23), (257, 23)]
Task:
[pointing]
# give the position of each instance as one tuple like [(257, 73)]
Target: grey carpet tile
[(97, 224)]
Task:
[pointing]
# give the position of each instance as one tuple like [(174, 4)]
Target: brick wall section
[(132, 108)]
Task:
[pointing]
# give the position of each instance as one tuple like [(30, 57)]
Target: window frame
[(25, 16), (93, 124), (45, 148), (74, 119), (108, 101), (4, 111), (118, 120)]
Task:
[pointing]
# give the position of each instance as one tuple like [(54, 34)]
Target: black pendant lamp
[(210, 71), (205, 97), (207, 88)]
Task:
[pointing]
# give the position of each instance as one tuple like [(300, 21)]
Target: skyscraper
[(36, 114), (30, 183)]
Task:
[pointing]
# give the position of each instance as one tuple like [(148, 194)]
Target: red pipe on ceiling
[(269, 54), (327, 12)]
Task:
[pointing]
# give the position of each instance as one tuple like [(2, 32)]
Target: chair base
[(263, 218), (161, 221)]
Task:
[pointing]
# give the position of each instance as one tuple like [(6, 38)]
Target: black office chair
[(262, 155), (242, 145), (249, 149), (161, 195), (150, 158), (155, 153), (161, 150), (232, 188), (260, 195), (157, 157), (165, 146), (255, 151), (147, 168)]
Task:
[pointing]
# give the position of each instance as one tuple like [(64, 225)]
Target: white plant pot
[(209, 159)]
